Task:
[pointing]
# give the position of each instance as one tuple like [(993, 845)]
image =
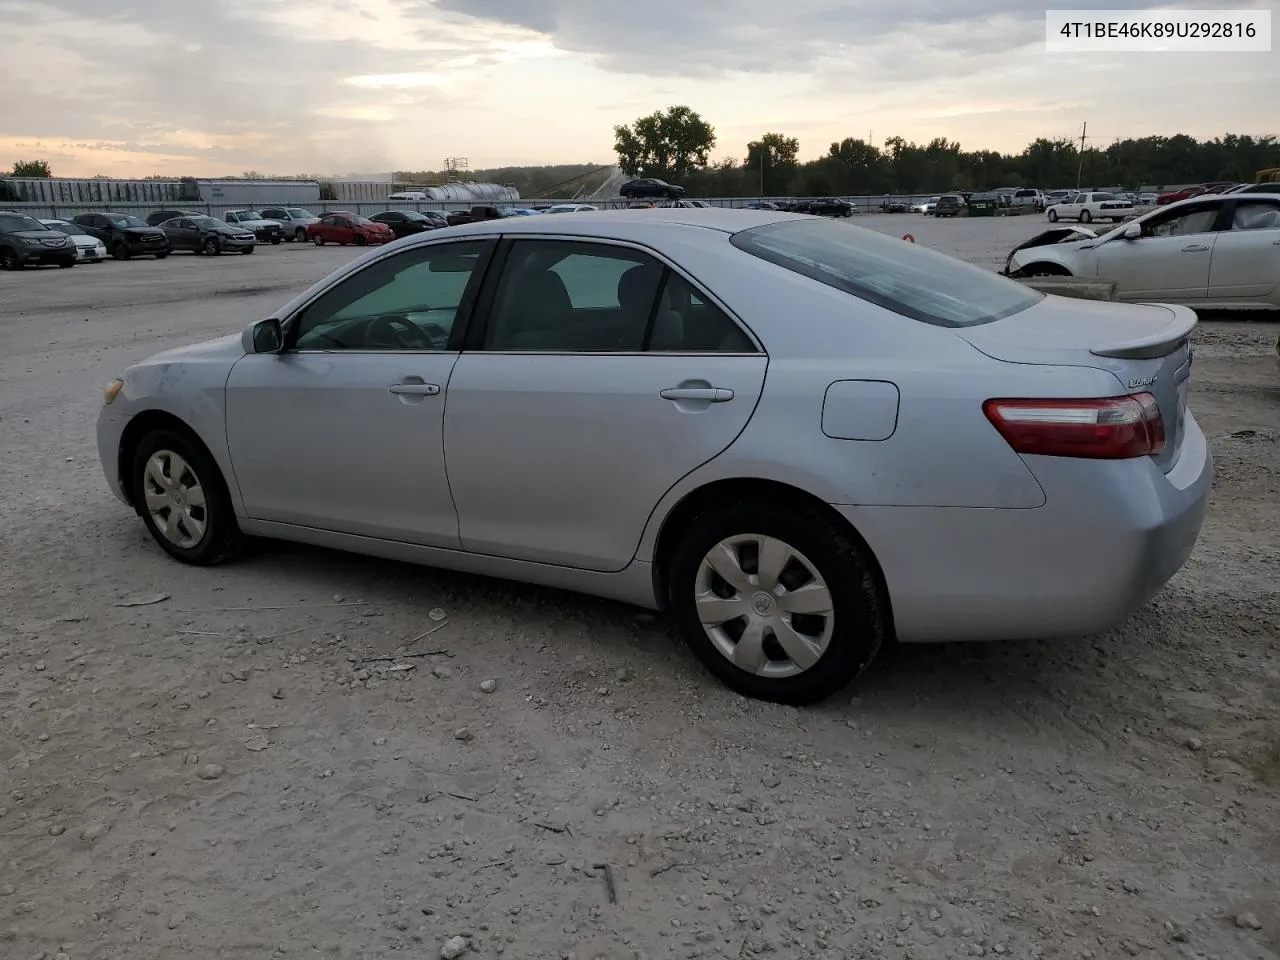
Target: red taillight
[(1107, 428)]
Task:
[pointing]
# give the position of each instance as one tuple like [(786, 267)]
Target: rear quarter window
[(907, 279)]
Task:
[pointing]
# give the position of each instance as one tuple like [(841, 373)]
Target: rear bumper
[(1109, 536)]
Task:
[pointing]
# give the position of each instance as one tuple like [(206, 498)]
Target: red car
[(343, 228)]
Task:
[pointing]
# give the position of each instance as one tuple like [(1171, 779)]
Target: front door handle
[(1195, 248), (415, 389), (709, 394)]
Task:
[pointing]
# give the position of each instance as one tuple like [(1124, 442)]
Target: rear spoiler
[(1161, 343)]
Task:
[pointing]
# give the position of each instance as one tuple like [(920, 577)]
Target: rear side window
[(908, 279)]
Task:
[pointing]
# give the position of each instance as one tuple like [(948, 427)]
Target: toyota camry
[(801, 437)]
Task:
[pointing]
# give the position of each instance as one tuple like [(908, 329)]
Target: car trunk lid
[(1147, 347)]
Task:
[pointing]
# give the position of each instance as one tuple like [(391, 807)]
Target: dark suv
[(651, 187), (25, 240), (157, 217), (125, 235), (948, 205)]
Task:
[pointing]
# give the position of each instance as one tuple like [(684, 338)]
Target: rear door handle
[(1195, 248), (415, 389), (709, 394)]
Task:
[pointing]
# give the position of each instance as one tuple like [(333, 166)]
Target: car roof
[(611, 223)]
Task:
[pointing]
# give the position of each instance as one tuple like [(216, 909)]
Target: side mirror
[(1132, 232), (265, 336)]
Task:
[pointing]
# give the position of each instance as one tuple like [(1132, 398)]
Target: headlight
[(112, 390)]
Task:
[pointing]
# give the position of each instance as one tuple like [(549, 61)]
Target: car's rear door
[(1246, 257), (598, 378)]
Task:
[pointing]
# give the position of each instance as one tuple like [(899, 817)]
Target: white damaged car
[(1218, 252)]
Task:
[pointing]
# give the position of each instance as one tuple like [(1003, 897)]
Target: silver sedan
[(800, 436)]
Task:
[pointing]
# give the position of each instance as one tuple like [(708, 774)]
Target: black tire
[(860, 614), (319, 240), (9, 260), (248, 250), (221, 539), (212, 247), (1053, 216), (161, 256), (64, 264), (300, 236), (1086, 216), (276, 241), (120, 250)]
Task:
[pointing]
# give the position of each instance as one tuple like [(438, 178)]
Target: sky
[(131, 88)]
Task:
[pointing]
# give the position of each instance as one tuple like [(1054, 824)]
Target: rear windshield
[(908, 279)]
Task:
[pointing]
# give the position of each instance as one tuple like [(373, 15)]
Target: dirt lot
[(213, 776)]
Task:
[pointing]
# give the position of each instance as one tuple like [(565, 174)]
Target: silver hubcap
[(175, 499), (764, 606)]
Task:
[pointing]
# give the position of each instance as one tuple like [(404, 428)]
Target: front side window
[(908, 279), (1196, 220), (409, 301), (581, 297)]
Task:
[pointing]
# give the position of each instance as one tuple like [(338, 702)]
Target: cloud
[(219, 86)]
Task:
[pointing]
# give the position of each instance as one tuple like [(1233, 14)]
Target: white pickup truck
[(1090, 206)]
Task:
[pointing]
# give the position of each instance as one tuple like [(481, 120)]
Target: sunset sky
[(131, 88)]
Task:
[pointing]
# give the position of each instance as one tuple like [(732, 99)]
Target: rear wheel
[(120, 250), (1085, 216), (300, 236), (777, 601), (9, 260), (183, 499), (276, 241)]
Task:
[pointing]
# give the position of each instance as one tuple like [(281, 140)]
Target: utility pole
[(762, 151), (1080, 165)]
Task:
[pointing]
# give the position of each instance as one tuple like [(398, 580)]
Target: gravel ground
[(223, 773)]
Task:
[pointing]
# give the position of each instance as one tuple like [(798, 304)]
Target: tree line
[(676, 145)]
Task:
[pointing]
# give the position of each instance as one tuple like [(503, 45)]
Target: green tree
[(32, 168), (668, 144), (771, 162)]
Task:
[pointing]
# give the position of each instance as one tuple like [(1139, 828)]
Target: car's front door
[(343, 430), (96, 225), (599, 378), (1170, 261), (183, 234), (1246, 257)]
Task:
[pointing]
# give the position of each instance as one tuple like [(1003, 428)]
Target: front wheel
[(1053, 216), (183, 499), (66, 263), (161, 256), (1086, 216), (247, 250), (778, 602), (120, 250), (9, 260), (318, 240), (276, 241), (212, 247)]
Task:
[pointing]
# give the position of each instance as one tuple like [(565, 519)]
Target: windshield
[(297, 213), (908, 279), (70, 229), (127, 221), (16, 221), (411, 215)]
